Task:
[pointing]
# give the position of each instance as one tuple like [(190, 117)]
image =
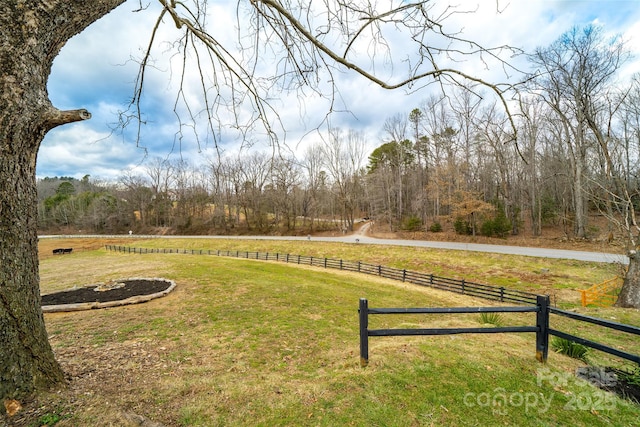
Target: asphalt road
[(364, 239)]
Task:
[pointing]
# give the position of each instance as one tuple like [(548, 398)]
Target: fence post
[(364, 333), (583, 297), (542, 323)]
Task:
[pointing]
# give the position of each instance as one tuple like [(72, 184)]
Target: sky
[(96, 71)]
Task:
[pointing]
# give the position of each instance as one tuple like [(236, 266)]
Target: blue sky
[(95, 71)]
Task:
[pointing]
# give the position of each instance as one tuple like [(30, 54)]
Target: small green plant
[(570, 348), (499, 226), (413, 223), (436, 227), (631, 377), (462, 226), (491, 319), (49, 419)]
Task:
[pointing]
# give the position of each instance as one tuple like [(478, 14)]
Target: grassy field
[(251, 343)]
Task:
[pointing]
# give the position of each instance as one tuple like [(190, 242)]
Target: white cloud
[(92, 72), (77, 150)]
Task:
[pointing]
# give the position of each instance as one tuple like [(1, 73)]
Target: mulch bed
[(132, 288)]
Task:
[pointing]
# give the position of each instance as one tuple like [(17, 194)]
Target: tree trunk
[(31, 35), (630, 293), (579, 211)]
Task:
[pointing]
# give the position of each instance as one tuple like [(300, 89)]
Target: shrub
[(486, 229), (413, 223), (462, 226), (499, 226), (436, 227)]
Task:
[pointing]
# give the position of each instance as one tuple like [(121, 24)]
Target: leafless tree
[(312, 163), (573, 73), (579, 69), (344, 155)]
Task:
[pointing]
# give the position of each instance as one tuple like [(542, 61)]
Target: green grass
[(560, 278), (257, 343)]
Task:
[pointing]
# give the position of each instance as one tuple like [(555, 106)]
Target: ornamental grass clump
[(570, 348)]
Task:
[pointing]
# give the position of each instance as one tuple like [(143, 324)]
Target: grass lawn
[(243, 342)]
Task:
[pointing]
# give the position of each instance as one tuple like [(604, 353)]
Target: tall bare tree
[(577, 82), (573, 73), (344, 155), (623, 185), (312, 162)]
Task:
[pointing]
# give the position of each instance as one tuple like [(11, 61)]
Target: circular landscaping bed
[(111, 294)]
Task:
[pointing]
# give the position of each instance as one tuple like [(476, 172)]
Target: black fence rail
[(489, 292), (633, 330), (542, 329)]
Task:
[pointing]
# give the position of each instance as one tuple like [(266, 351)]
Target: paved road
[(364, 239)]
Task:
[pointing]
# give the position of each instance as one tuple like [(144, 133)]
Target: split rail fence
[(542, 327), (495, 293), (539, 304)]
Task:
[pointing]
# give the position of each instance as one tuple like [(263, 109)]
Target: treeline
[(256, 193), (569, 147), (66, 204)]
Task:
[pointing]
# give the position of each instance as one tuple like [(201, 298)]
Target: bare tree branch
[(310, 44)]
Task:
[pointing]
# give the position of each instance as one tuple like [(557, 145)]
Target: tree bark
[(31, 36), (630, 294)]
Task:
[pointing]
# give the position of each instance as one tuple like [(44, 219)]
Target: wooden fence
[(495, 293), (604, 294), (542, 329)]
